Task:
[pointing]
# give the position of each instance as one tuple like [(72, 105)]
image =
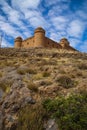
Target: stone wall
[(52, 44), (29, 42)]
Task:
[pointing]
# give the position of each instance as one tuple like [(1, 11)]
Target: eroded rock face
[(51, 125), (18, 97), (1, 120), (1, 93)]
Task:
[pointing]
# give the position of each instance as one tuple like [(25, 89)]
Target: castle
[(40, 40)]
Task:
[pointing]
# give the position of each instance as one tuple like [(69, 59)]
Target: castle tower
[(39, 37), (64, 43), (18, 42)]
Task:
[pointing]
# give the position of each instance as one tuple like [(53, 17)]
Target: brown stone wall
[(52, 44), (28, 42), (39, 40)]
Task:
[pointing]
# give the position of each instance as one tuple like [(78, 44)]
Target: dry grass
[(5, 86), (23, 71), (37, 76), (32, 86), (45, 65), (1, 74), (47, 73)]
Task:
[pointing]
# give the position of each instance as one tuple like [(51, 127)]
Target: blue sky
[(60, 18)]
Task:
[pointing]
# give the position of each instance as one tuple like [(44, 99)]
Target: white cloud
[(81, 14), (12, 15), (25, 4), (38, 21), (83, 47), (35, 18), (2, 18), (60, 22), (58, 9), (5, 43), (9, 29), (54, 36), (76, 28), (54, 2), (74, 41), (58, 35)]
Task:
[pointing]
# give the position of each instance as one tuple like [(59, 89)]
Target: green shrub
[(66, 82), (70, 113)]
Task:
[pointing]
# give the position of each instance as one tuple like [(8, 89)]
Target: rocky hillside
[(32, 83)]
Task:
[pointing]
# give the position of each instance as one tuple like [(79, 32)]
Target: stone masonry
[(40, 40)]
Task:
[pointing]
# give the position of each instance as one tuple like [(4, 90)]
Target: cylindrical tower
[(64, 42), (18, 42), (39, 37)]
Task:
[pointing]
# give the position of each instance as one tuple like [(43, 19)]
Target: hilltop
[(31, 78)]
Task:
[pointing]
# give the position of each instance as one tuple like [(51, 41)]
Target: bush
[(1, 74), (45, 82), (82, 66), (66, 82), (70, 113), (23, 71), (32, 86), (31, 118), (5, 86), (46, 74), (37, 76)]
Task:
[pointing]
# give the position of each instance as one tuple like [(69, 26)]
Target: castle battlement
[(40, 40)]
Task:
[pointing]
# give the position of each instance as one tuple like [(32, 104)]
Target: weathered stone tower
[(18, 42), (64, 42), (39, 37)]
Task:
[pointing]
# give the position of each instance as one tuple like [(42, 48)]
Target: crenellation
[(40, 40)]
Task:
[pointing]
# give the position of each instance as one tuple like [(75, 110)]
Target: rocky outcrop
[(17, 98), (51, 125)]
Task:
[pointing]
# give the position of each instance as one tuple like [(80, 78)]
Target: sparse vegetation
[(5, 86), (82, 66), (1, 74), (37, 76), (70, 113), (31, 118), (46, 82), (23, 71), (47, 73), (66, 82), (32, 86)]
